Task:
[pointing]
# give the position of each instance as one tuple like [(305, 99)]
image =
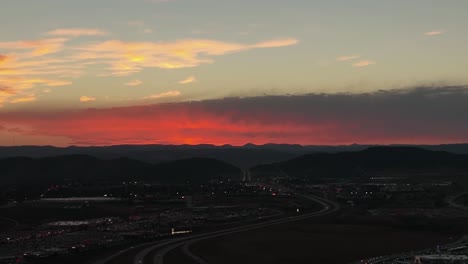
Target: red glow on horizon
[(193, 124)]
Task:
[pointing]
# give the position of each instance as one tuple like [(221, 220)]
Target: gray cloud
[(417, 115)]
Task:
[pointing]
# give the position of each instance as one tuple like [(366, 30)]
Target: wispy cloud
[(28, 66), (164, 95), (32, 63), (76, 32), (134, 83), (3, 58), (23, 99), (275, 43), (16, 87), (38, 47), (86, 99), (54, 83), (434, 33), (6, 93), (5, 90), (125, 58), (348, 58), (364, 63), (188, 80)]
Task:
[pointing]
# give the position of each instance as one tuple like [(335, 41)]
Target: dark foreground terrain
[(311, 242), (80, 209)]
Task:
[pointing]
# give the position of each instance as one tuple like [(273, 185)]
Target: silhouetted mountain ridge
[(371, 160), (240, 156), (85, 168), (199, 170)]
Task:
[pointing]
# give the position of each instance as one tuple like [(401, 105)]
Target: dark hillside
[(372, 160)]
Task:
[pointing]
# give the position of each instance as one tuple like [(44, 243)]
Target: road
[(154, 253), (11, 222), (451, 200), (8, 205)]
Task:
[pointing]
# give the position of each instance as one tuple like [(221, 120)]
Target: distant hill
[(243, 156), (83, 168), (373, 160), (196, 170)]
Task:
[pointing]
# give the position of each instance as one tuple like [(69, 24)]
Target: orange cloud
[(29, 65), (54, 83), (4, 59), (276, 43), (6, 90), (190, 79), (33, 63), (5, 93), (134, 83), (86, 99), (39, 47), (125, 58), (77, 32), (364, 63), (24, 99), (434, 33), (348, 58), (22, 83), (163, 95), (16, 89)]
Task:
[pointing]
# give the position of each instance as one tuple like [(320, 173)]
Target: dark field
[(463, 200), (38, 213), (6, 224), (309, 242)]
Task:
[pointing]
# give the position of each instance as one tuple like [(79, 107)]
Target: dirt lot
[(312, 242)]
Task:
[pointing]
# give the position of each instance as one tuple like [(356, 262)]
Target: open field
[(313, 242), (6, 224), (91, 256), (37, 213), (463, 200)]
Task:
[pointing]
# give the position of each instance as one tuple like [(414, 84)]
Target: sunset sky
[(106, 72)]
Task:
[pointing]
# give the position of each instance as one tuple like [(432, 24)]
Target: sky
[(321, 72)]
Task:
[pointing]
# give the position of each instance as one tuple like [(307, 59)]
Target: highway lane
[(11, 222), (155, 252), (9, 205), (327, 208), (451, 200)]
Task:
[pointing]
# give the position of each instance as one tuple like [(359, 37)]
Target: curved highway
[(11, 222), (155, 252), (451, 200)]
